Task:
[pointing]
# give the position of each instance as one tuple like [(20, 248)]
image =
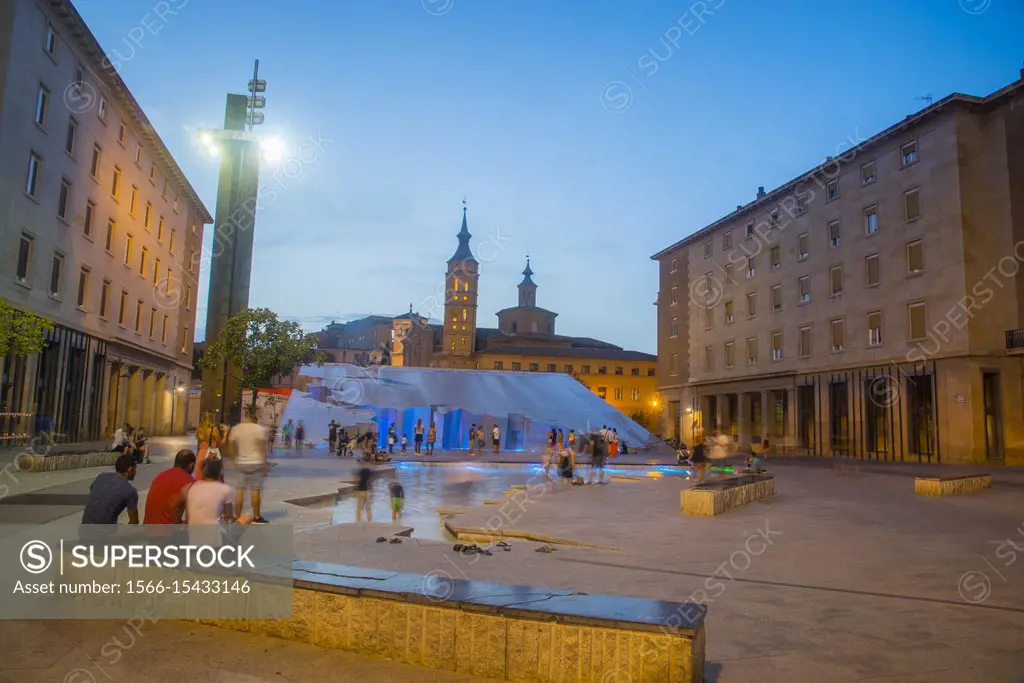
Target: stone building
[(100, 231), (525, 339), (870, 308)]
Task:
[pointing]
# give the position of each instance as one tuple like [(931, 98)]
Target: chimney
[(739, 207), (760, 192), (828, 159)]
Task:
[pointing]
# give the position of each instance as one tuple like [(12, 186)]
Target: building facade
[(100, 235), (870, 308), (524, 341)]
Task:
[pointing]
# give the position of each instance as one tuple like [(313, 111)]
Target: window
[(163, 330), (160, 230), (709, 358), (115, 183), (139, 305), (915, 257), (709, 317), (729, 316), (618, 370), (911, 205), (499, 365), (871, 220), (170, 247), (32, 178), (551, 367), (147, 217), (42, 104), (776, 346), (835, 280), (50, 42), (167, 280), (56, 269), (83, 286), (585, 370), (90, 209), (618, 393), (138, 154), (803, 246), (152, 173), (916, 317), (727, 239), (24, 257), (63, 198), (727, 269), (516, 365), (175, 205), (773, 219), (805, 342), (184, 340), (751, 304), (872, 271), (602, 370), (751, 270), (730, 354), (749, 231), (751, 350), (634, 372), (94, 164), (650, 372), (908, 153), (673, 265), (833, 234), (707, 249), (634, 395), (804, 287), (122, 309), (831, 190), (133, 200), (867, 173), (674, 328), (602, 392), (128, 249), (69, 137), (101, 109), (192, 269), (875, 328), (837, 332), (121, 133), (156, 270), (111, 227), (188, 302), (776, 257), (104, 296), (674, 298), (142, 261), (776, 297), (79, 74), (152, 322)]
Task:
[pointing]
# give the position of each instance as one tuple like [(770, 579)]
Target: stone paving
[(835, 578)]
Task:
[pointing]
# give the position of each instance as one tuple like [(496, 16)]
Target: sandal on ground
[(458, 547), (395, 540), (545, 549), (503, 545), (381, 539)]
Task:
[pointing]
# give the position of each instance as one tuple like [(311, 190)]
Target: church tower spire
[(460, 302), (527, 288)]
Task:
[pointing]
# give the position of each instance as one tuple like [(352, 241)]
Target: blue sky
[(419, 104)]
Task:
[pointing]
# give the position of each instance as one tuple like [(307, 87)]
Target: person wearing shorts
[(397, 501), (597, 461), (247, 443), (363, 501)]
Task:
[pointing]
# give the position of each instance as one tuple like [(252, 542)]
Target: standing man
[(431, 438), (247, 444), (418, 438), (496, 439), (472, 439), (332, 435), (112, 493), (363, 500), (165, 503)]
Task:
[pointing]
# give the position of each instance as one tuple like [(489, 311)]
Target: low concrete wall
[(951, 486), (491, 630), (715, 498), (28, 462)]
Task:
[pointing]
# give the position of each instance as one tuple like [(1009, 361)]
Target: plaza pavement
[(836, 578)]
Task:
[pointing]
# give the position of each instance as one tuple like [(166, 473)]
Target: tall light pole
[(231, 264)]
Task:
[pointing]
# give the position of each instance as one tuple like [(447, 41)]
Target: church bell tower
[(460, 300)]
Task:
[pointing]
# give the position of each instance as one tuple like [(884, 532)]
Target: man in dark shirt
[(363, 502), (165, 503), (112, 493)]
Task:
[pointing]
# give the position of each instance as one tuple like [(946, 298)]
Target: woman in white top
[(210, 501)]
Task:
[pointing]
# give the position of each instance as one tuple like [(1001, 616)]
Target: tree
[(21, 332), (260, 347), (648, 419)]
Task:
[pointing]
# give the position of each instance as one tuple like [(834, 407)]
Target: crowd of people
[(131, 441), (715, 453)]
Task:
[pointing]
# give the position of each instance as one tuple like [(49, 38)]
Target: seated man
[(112, 493)]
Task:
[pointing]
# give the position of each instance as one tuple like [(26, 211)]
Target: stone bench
[(951, 486), (30, 462), (717, 497), (487, 629)]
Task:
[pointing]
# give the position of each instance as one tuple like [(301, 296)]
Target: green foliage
[(260, 347), (648, 419), (21, 332)]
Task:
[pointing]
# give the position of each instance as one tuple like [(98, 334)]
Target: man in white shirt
[(496, 438), (247, 445)]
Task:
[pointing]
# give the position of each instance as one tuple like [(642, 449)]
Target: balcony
[(1015, 341)]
